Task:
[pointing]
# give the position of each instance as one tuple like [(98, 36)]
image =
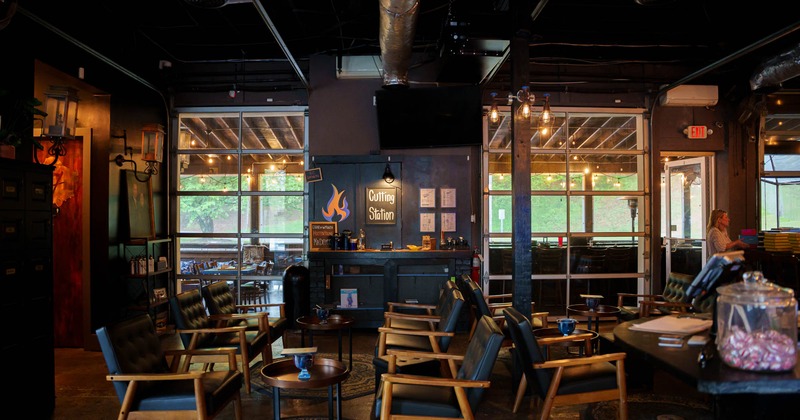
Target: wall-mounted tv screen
[(429, 117)]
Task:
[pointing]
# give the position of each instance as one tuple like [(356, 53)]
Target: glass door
[(686, 204)]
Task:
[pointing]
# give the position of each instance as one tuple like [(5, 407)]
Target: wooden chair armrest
[(542, 316), (213, 330), (578, 361), (650, 306), (423, 354), (220, 351), (546, 341), (390, 330), (180, 376), (412, 317), (501, 296), (404, 305), (247, 307), (246, 315), (399, 378)]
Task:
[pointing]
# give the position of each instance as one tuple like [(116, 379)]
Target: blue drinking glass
[(303, 362), (566, 325)]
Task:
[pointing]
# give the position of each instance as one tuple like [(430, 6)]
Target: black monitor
[(429, 117)]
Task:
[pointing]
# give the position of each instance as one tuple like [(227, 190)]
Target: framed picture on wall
[(140, 207)]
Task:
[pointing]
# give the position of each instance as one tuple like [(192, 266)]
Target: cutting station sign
[(381, 206)]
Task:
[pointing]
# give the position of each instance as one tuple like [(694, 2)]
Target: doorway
[(687, 197)]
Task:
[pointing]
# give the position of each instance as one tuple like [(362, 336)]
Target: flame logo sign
[(333, 207)]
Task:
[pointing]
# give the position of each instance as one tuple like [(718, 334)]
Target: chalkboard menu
[(381, 206), (320, 234)]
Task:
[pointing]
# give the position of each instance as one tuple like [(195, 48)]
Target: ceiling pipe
[(398, 21), (284, 48), (773, 72)]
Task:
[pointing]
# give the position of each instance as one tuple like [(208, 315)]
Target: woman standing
[(717, 239)]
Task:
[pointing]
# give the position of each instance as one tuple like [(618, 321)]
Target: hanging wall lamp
[(494, 113), (388, 176), (61, 106), (152, 151)]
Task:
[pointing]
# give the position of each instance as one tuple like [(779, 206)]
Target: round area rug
[(651, 406)]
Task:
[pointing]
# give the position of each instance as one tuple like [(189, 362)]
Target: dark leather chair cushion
[(132, 346), (447, 289)]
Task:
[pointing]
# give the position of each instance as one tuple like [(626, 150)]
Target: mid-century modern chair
[(481, 305), (671, 300), (147, 386), (201, 331), (456, 396), (220, 300), (565, 381), (437, 341)]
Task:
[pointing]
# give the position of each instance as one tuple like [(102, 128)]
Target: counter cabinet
[(380, 277)]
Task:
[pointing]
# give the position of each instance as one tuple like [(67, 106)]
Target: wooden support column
[(521, 180)]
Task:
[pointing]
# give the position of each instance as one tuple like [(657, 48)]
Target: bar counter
[(380, 277)]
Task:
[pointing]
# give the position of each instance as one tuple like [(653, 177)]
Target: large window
[(241, 197), (780, 174), (587, 195)]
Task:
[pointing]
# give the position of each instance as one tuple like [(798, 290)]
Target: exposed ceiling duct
[(773, 72), (396, 34)]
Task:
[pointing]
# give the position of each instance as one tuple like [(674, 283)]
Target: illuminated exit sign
[(696, 132)]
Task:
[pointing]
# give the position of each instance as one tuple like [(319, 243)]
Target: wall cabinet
[(150, 269), (380, 277), (26, 273)]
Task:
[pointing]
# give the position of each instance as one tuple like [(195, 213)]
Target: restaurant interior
[(549, 150)]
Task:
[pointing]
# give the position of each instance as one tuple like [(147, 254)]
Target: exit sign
[(696, 132)]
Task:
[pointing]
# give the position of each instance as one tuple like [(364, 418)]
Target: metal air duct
[(771, 73), (397, 26)]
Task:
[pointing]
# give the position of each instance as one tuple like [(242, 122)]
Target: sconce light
[(388, 176), (526, 98), (61, 106), (152, 151), (494, 113)]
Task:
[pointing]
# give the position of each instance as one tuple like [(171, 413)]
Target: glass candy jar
[(757, 325)]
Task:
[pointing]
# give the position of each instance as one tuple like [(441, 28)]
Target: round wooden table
[(596, 314), (325, 372), (554, 332), (334, 323)]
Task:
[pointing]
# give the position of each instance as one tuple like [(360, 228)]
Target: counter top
[(397, 253)]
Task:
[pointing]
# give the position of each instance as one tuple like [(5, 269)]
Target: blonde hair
[(716, 214)]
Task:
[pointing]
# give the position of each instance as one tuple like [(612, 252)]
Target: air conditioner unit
[(691, 95)]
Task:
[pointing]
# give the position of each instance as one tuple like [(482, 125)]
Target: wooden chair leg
[(523, 385)]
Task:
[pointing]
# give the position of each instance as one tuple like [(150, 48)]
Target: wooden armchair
[(668, 302), (455, 396), (437, 341), (147, 386), (219, 300), (565, 381), (201, 331)]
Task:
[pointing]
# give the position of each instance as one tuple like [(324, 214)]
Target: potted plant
[(17, 119)]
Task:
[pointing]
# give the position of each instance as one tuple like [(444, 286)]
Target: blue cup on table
[(566, 325)]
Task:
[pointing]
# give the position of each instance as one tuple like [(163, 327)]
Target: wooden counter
[(382, 276)]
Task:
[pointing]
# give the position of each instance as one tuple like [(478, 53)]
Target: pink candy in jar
[(758, 350)]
